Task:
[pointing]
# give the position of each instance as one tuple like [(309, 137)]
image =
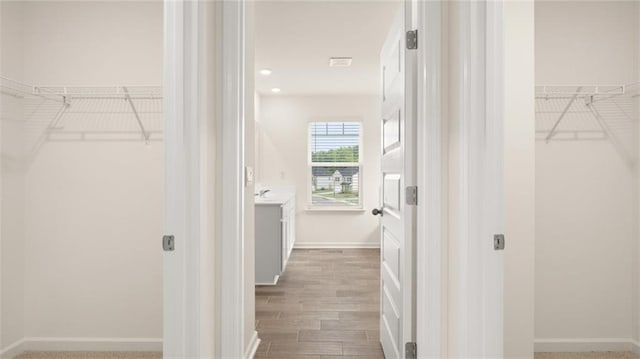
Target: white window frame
[(360, 163)]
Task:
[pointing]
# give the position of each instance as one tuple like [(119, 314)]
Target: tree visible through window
[(335, 164)]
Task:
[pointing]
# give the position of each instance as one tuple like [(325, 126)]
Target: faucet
[(263, 192)]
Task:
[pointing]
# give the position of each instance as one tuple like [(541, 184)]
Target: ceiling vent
[(340, 61)]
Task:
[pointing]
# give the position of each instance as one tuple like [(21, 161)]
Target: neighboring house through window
[(335, 162)]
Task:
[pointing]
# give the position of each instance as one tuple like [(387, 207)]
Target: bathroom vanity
[(275, 228)]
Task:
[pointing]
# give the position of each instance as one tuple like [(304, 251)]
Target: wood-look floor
[(326, 305), (588, 355)]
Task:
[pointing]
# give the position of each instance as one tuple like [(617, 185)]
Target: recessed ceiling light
[(265, 72), (275, 89), (340, 61)]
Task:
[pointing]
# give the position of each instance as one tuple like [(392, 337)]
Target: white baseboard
[(584, 345), (252, 347), (335, 245), (81, 344), (636, 346), (12, 350)]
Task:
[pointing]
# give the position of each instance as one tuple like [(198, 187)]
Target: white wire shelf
[(105, 93), (589, 112), (77, 113), (20, 90)]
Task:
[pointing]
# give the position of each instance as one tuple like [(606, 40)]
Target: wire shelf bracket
[(590, 112), (612, 137), (562, 115), (127, 96)]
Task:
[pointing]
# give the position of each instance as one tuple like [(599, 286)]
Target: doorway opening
[(81, 163), (586, 180), (328, 108)]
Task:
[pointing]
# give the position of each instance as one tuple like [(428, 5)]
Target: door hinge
[(411, 350), (411, 194), (168, 243), (498, 242), (412, 39)]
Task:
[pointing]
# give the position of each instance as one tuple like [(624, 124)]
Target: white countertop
[(274, 198)]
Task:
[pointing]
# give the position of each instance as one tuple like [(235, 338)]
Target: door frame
[(188, 119), (189, 333), (475, 287), (417, 14), (203, 84), (232, 163), (478, 325), (431, 243)]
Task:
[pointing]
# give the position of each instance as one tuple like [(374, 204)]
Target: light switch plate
[(248, 175)]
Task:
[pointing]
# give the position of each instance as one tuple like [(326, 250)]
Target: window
[(335, 164)]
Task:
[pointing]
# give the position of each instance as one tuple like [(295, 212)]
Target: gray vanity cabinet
[(275, 238)]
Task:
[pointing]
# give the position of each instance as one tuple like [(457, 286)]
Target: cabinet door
[(292, 226), (285, 236)]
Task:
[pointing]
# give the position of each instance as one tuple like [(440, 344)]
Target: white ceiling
[(295, 39)]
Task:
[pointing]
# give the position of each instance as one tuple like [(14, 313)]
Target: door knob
[(376, 212)]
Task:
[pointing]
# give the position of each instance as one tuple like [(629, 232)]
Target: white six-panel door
[(396, 305)]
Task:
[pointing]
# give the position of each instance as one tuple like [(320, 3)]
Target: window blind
[(337, 142)]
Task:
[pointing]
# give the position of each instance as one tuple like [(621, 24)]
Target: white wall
[(92, 253), (585, 42), (282, 161), (93, 43), (12, 175), (585, 203), (519, 180), (93, 209), (584, 214)]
